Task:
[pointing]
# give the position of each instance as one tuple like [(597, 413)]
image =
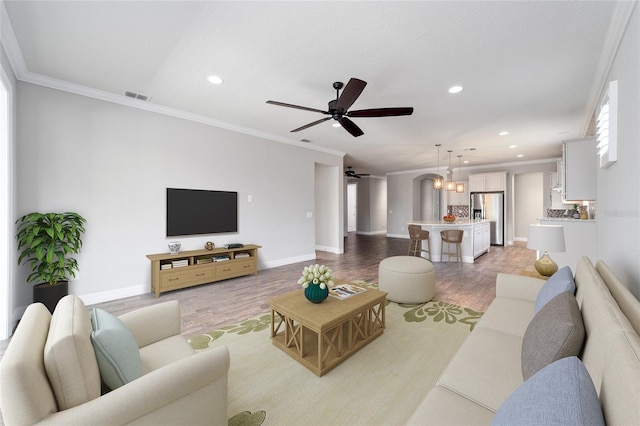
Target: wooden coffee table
[(321, 336)]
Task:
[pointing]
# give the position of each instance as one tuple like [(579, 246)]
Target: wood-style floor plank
[(210, 306)]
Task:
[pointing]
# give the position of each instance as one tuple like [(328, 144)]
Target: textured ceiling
[(530, 68)]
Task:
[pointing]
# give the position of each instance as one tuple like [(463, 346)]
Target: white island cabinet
[(579, 240), (475, 240)]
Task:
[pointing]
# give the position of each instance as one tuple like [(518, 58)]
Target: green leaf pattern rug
[(381, 384)]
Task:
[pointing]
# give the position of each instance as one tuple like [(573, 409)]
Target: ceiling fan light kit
[(351, 173), (338, 108)]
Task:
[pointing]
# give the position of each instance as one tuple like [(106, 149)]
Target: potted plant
[(316, 280), (44, 241)]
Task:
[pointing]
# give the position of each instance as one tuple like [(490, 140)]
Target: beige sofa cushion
[(555, 332), (509, 315), (69, 358), (486, 357), (26, 396)]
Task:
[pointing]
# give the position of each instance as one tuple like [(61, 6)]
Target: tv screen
[(195, 211)]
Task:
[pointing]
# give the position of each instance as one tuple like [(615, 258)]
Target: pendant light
[(459, 185), (450, 185), (438, 182)]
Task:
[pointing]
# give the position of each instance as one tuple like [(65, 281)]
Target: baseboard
[(288, 261), (137, 290), (384, 231), (109, 295), (330, 249), (405, 236)]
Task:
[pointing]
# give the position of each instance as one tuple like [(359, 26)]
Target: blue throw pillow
[(562, 393), (561, 281), (116, 349)]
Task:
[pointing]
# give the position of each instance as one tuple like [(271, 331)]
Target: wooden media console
[(191, 268)]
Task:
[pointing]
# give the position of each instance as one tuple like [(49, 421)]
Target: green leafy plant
[(45, 240)]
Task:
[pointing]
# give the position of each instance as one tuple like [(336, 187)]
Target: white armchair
[(177, 385)]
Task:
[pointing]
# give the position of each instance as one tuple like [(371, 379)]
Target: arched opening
[(427, 202)]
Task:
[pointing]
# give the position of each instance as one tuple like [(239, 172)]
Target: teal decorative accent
[(315, 294)]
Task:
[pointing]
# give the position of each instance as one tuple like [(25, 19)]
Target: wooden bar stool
[(451, 236), (417, 236)]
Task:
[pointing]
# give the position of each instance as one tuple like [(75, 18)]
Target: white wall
[(328, 209), (618, 204), (528, 206), (372, 205), (112, 163)]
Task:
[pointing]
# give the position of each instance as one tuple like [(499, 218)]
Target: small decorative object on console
[(449, 218), (174, 247), (316, 280), (209, 245)]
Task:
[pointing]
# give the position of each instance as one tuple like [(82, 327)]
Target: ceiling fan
[(339, 108), (351, 173)]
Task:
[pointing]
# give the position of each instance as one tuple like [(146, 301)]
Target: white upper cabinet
[(580, 169), (485, 182)]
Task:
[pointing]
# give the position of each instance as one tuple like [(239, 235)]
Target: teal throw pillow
[(562, 393), (116, 349), (561, 281)]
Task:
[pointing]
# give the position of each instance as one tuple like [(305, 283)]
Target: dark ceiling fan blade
[(380, 112), (306, 126), (352, 90), (296, 107), (350, 126)]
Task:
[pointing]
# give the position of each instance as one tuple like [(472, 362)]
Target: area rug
[(382, 384)]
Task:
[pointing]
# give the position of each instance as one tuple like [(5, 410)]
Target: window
[(607, 127)]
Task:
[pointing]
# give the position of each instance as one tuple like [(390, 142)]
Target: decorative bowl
[(449, 218)]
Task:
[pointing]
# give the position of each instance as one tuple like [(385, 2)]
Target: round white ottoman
[(407, 279)]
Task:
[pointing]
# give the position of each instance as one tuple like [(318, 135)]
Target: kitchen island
[(475, 240)]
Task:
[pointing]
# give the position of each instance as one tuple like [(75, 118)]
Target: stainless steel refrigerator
[(490, 206)]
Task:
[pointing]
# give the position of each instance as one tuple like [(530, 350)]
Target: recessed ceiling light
[(466, 161), (336, 124), (513, 146), (520, 155), (503, 133), (455, 89), (214, 79)]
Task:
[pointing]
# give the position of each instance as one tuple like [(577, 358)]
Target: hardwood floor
[(207, 307)]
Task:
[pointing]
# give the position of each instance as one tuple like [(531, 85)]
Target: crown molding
[(479, 166), (617, 26), (12, 48)]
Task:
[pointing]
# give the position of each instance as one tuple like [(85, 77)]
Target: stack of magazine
[(344, 291)]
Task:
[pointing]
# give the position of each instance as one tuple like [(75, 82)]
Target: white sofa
[(50, 375), (487, 369)]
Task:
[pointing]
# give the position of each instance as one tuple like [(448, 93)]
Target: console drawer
[(235, 268), (184, 277)]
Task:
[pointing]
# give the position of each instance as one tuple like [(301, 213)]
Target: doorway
[(352, 207)]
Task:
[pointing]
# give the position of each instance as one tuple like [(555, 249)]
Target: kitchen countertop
[(457, 222), (565, 219)]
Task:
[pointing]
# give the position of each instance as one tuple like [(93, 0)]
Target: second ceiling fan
[(339, 108)]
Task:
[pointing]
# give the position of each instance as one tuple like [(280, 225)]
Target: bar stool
[(417, 236), (451, 236)]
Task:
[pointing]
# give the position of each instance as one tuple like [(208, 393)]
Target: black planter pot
[(49, 295)]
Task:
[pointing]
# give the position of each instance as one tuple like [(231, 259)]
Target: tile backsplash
[(459, 210)]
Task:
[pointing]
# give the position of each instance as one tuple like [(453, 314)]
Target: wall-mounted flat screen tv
[(196, 211)]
